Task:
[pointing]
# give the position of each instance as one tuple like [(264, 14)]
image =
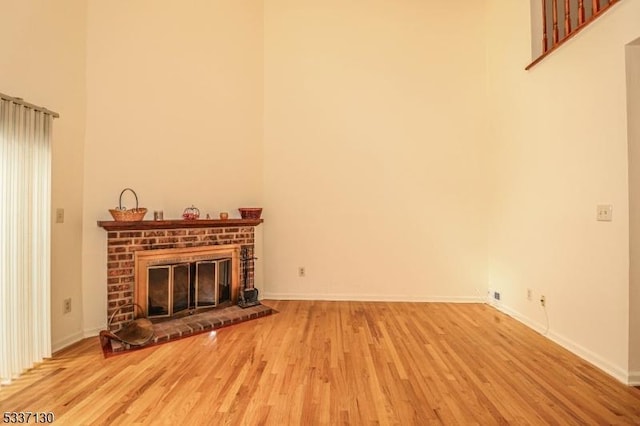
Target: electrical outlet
[(529, 294), (543, 301), (604, 212), (67, 305), (302, 272)]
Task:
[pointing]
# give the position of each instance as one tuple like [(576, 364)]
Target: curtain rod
[(20, 101)]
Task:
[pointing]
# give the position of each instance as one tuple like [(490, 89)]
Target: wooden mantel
[(110, 225)]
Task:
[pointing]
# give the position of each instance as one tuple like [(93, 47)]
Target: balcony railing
[(562, 19)]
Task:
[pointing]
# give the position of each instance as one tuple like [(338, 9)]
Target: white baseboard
[(74, 338), (67, 341), (368, 298), (613, 370), (634, 378), (91, 332)]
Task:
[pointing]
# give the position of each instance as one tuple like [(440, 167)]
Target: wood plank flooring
[(334, 363)]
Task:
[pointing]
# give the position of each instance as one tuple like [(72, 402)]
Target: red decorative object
[(250, 212), (191, 213)]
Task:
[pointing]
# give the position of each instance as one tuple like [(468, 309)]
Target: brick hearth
[(196, 324)]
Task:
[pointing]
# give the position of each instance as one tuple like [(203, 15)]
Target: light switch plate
[(59, 215)]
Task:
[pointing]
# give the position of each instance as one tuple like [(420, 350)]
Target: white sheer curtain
[(25, 212)]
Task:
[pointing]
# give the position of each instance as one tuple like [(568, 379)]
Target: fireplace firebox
[(178, 289), (172, 283)]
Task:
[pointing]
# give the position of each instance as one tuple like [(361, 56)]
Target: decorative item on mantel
[(191, 213), (121, 214), (250, 212)]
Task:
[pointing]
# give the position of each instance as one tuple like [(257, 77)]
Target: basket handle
[(120, 200), (120, 308)]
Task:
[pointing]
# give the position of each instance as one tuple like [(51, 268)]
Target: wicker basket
[(121, 214), (250, 212)]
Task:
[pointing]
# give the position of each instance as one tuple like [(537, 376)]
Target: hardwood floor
[(334, 363)]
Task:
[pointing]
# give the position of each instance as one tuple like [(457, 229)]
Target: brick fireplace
[(126, 242)]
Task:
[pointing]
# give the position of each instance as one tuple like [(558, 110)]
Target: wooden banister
[(545, 41), (584, 17), (556, 37), (567, 17)]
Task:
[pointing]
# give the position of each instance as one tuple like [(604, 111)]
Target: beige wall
[(633, 110), (374, 150), (42, 59), (559, 147), (174, 112)]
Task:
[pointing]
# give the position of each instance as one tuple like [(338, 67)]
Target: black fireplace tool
[(248, 296)]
